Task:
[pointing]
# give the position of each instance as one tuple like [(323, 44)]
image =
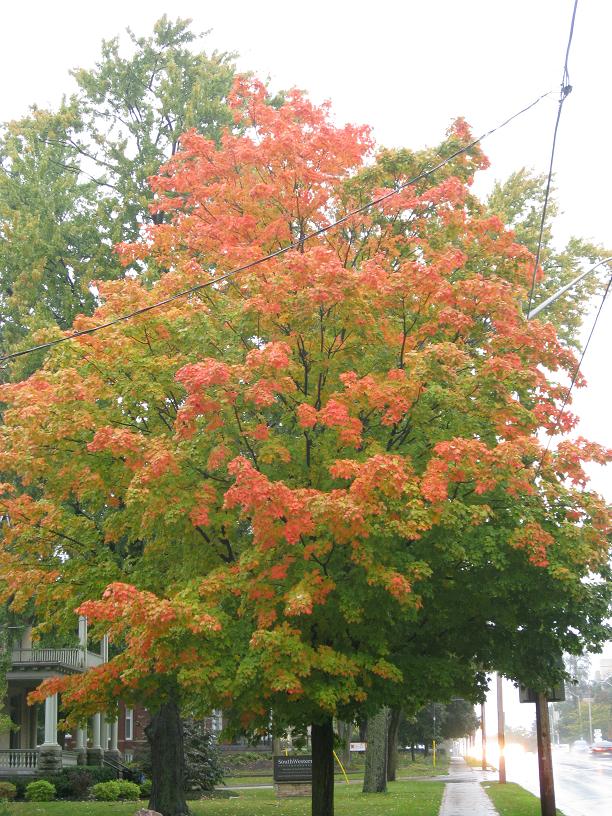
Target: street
[(583, 785)]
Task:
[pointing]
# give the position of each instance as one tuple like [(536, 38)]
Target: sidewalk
[(463, 794)]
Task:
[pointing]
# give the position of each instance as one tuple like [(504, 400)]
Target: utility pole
[(547, 786), (501, 737), (565, 289), (483, 728), (589, 700)]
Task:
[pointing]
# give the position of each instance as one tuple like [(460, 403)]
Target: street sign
[(553, 695), (358, 747), (293, 769)]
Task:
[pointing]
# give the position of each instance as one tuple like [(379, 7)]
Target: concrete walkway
[(463, 794)]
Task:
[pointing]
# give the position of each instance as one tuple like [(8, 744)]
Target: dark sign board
[(293, 769), (553, 695)]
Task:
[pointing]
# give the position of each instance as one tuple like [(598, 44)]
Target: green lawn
[(512, 800), (415, 798), (420, 767)]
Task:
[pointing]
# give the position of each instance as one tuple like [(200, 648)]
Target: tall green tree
[(73, 182), (519, 201)]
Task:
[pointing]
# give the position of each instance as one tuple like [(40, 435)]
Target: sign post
[(547, 784), (483, 728), (501, 730), (541, 700)]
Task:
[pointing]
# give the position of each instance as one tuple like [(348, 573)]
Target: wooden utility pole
[(483, 728), (501, 736), (547, 784)]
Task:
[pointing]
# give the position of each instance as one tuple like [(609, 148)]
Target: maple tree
[(306, 488)]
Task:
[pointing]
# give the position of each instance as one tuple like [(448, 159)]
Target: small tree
[(202, 757)]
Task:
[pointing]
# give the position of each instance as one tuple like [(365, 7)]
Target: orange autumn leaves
[(281, 454)]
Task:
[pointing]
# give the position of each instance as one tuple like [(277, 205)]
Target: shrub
[(74, 783), (8, 790), (19, 782), (106, 791), (128, 790), (40, 791), (61, 783), (203, 769), (78, 783), (99, 773), (145, 788)]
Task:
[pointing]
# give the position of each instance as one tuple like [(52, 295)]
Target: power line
[(295, 245), (566, 89)]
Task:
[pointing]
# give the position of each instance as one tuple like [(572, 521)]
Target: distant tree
[(572, 716), (519, 202), (74, 182), (460, 719), (418, 728), (439, 721), (525, 737)]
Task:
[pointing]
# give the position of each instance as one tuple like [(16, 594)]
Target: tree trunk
[(165, 735), (394, 723), (345, 731), (412, 754), (322, 741), (375, 777), (363, 730), (426, 751)]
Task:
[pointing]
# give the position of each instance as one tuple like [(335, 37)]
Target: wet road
[(583, 785)]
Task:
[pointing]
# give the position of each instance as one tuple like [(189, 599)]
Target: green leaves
[(74, 182)]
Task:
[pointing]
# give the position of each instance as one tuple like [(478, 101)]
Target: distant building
[(605, 668), (35, 745)]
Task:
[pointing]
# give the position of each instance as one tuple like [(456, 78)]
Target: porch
[(24, 761), (35, 745)]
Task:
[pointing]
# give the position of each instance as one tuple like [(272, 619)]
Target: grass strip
[(415, 798), (512, 800)]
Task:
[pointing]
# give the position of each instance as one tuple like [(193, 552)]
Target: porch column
[(83, 638), (50, 753), (104, 649), (103, 732), (51, 720), (81, 746), (96, 731), (114, 739), (95, 754)]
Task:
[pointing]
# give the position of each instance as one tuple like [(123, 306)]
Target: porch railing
[(74, 658), (19, 759)]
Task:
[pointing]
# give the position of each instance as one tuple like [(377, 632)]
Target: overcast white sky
[(407, 68)]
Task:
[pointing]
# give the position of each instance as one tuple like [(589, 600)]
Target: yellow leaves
[(387, 671), (270, 452)]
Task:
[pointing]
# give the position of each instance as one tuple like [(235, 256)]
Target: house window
[(129, 723)]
